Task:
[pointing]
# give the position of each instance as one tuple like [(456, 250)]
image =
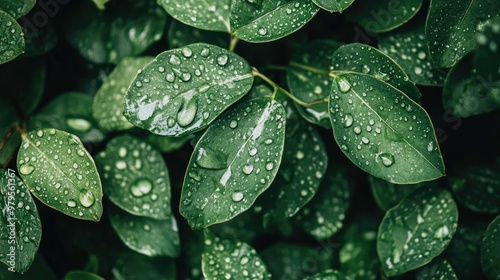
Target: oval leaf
[(135, 177), (490, 248), (224, 178), (439, 269), (20, 223), (59, 171), (11, 38), (358, 255), (183, 90), (382, 131), (17, 8), (388, 195), (333, 6), (416, 230)]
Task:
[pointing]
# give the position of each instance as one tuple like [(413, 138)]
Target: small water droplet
[(357, 130), (247, 169), (348, 120), (268, 141), (138, 84), (233, 124), (430, 146), (262, 31), (344, 86), (121, 165), (252, 152), (269, 166), (141, 187), (122, 152), (174, 60), (71, 203), (26, 169), (87, 199), (299, 155), (187, 52), (161, 69), (387, 159), (366, 69), (39, 133), (222, 59), (205, 52), (186, 76), (365, 140), (237, 196), (170, 77)]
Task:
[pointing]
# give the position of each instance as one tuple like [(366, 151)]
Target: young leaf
[(207, 14), (416, 230), (20, 223), (388, 195), (58, 170), (490, 248), (382, 131), (17, 8), (183, 90), (383, 15), (144, 235), (264, 21), (333, 6), (226, 259), (224, 178), (135, 177), (180, 35), (11, 38), (451, 27), (107, 107), (81, 275), (439, 269), (328, 275), (308, 79)]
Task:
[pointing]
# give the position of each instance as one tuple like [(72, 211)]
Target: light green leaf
[(20, 223), (183, 90), (388, 195), (100, 4), (263, 21), (490, 250), (416, 230), (383, 15), (333, 5), (358, 254), (180, 35), (318, 217), (144, 235), (70, 112), (451, 27), (439, 269), (107, 107), (368, 60), (17, 8), (226, 259), (131, 264), (11, 38), (224, 178), (308, 79), (135, 177), (383, 131), (328, 275), (58, 170), (81, 275), (408, 47)]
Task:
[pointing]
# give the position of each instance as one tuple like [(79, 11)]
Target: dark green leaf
[(488, 40), (38, 270), (490, 250), (416, 230), (180, 35), (135, 177), (244, 227), (388, 195), (8, 118), (264, 21), (383, 131), (224, 178), (20, 223), (328, 275), (144, 235), (11, 38), (131, 265), (451, 27), (183, 90), (358, 254), (40, 40), (59, 171), (333, 5), (17, 8), (81, 275), (439, 269), (107, 107), (166, 144)]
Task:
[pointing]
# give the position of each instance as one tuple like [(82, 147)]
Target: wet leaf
[(81, 275), (144, 235), (226, 259), (308, 79), (264, 21), (488, 40), (107, 107), (180, 35), (333, 6), (439, 269), (11, 38), (324, 215), (20, 223), (383, 131), (224, 178), (70, 112), (358, 254), (183, 90), (58, 170), (408, 47), (388, 195), (135, 177), (131, 265), (490, 249), (416, 230), (383, 15), (451, 27), (328, 275), (38, 270), (17, 8)]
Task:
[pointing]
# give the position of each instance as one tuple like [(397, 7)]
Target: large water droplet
[(26, 169), (210, 159), (222, 59), (348, 120), (187, 52), (269, 166), (247, 169), (344, 86), (170, 77), (237, 196), (205, 52), (87, 199), (188, 112), (387, 159), (78, 124), (174, 60), (141, 187), (233, 124), (262, 31)]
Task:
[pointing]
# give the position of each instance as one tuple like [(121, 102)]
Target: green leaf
[(318, 217), (207, 14), (40, 40), (131, 264), (224, 178), (20, 223), (388, 195), (368, 60), (490, 248), (244, 227), (358, 254), (451, 27), (439, 269), (58, 170), (383, 131), (11, 38), (81, 275), (416, 230), (308, 79), (183, 90), (333, 6), (100, 4), (144, 235), (383, 15), (8, 118), (123, 30), (488, 40), (17, 8), (180, 35), (328, 275), (70, 112), (264, 21), (227, 259), (107, 107), (38, 270), (135, 177), (166, 144), (408, 47)]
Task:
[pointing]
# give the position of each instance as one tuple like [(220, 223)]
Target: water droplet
[(174, 60), (210, 159), (247, 169), (237, 196), (418, 70), (71, 203), (348, 120), (366, 69), (269, 166), (188, 112), (233, 124), (122, 152), (430, 147), (141, 187), (186, 76), (170, 77), (121, 165), (87, 199), (421, 55), (344, 86), (365, 140), (138, 84), (244, 260), (205, 52), (222, 59), (58, 185), (262, 31), (357, 130), (26, 169), (161, 69), (78, 124), (268, 141), (387, 159), (187, 52), (299, 155), (252, 152), (170, 122)]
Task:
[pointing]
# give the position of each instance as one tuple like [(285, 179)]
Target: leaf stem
[(233, 42), (309, 68)]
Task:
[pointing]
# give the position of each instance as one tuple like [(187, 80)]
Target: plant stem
[(309, 68), (232, 43)]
